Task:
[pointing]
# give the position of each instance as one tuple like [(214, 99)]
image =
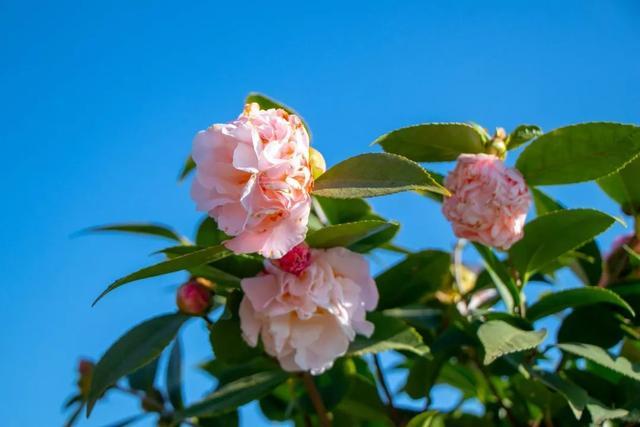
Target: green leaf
[(604, 326), (339, 211), (577, 153), (136, 348), (182, 262), (174, 376), (434, 142), (570, 298), (500, 276), (232, 371), (143, 379), (576, 396), (389, 334), (414, 277), (600, 356), (374, 174), (266, 103), (499, 338), (376, 240), (226, 340), (521, 135), (209, 234), (347, 234), (541, 245), (623, 187), (588, 268), (187, 168), (234, 394), (148, 229)]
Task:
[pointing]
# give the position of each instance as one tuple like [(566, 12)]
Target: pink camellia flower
[(253, 177), (308, 321), (296, 260), (489, 201), (193, 298)]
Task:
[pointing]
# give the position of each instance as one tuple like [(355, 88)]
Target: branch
[(385, 389), (316, 400)]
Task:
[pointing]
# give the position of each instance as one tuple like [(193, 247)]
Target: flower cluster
[(307, 320)]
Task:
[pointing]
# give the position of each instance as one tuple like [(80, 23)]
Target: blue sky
[(100, 101)]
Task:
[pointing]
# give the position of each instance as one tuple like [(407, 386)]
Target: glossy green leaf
[(266, 103), (174, 376), (234, 394), (136, 348), (374, 174), (505, 285), (521, 135), (581, 152), (226, 372), (188, 167), (414, 277), (434, 142), (588, 265), (347, 234), (499, 338), (182, 262), (571, 298), (143, 379), (600, 356), (148, 229), (541, 245), (389, 334), (623, 187)]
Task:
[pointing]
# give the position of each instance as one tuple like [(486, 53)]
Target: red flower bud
[(296, 260), (194, 298), (85, 367)]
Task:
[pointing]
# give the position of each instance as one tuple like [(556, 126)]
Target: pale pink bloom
[(253, 177), (308, 321), (489, 201)]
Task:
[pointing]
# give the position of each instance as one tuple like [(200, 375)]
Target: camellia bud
[(85, 369), (497, 145), (316, 162), (194, 298), (296, 260)]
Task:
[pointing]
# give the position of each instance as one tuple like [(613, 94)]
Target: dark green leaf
[(208, 233), (347, 234), (374, 174), (588, 266), (499, 338), (414, 277), (234, 394), (427, 419), (541, 245), (603, 326), (143, 379), (578, 153), (193, 259), (434, 142), (227, 343), (229, 372), (174, 375), (148, 229), (136, 348), (521, 135), (187, 168), (389, 334), (570, 298)]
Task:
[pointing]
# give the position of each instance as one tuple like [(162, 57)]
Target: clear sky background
[(99, 102)]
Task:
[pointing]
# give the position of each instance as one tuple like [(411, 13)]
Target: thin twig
[(385, 389), (457, 263), (316, 400), (512, 419), (150, 401)]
